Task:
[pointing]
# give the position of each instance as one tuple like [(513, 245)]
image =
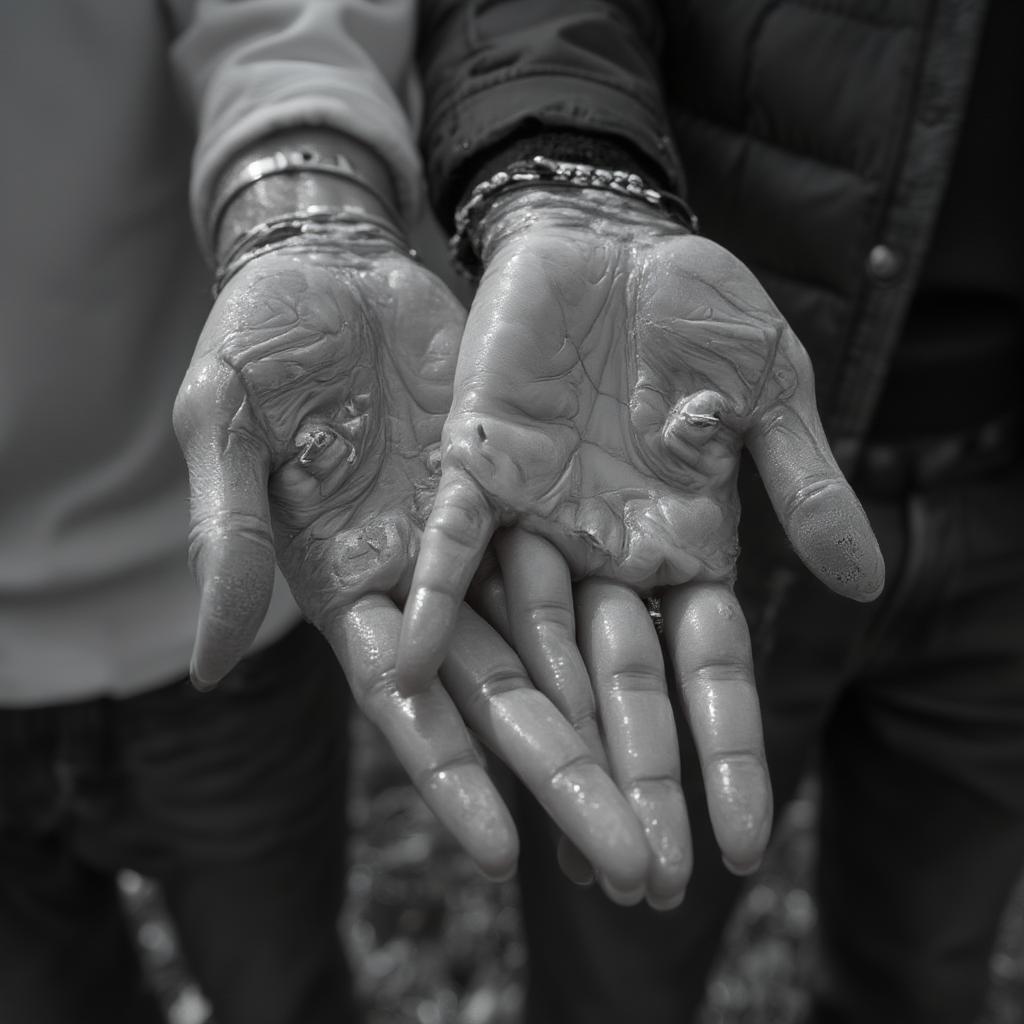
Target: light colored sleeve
[(253, 67)]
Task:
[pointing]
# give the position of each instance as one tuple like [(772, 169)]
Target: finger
[(454, 540), (486, 596), (489, 686), (427, 735), (622, 652), (573, 864), (820, 513), (710, 651), (231, 548), (543, 628)]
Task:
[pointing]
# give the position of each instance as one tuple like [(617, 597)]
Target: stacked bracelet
[(540, 171), (315, 229), (301, 160)]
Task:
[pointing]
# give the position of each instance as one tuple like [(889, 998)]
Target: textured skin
[(314, 393), (612, 371), (310, 419)]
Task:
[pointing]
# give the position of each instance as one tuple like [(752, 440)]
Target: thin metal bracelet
[(316, 229), (541, 171), (297, 160)]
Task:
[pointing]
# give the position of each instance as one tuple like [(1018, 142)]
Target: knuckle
[(581, 763), (734, 759), (636, 679), (375, 692), (551, 616), (204, 395), (436, 774), (714, 673), (462, 522), (584, 716), (499, 681)]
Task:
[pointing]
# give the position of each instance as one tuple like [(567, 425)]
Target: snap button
[(884, 264)]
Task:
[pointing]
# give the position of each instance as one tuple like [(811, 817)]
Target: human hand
[(310, 419), (611, 371)]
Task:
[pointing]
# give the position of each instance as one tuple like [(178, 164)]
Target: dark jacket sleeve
[(496, 72)]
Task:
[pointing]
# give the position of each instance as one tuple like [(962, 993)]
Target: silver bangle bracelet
[(316, 229), (541, 171), (301, 160)]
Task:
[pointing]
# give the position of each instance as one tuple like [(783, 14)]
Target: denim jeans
[(233, 800), (913, 710)]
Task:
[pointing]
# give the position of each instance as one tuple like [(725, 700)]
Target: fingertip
[(427, 627), (199, 681), (574, 865), (874, 574), (466, 802), (499, 859), (741, 868), (212, 660), (491, 839), (740, 805), (224, 634), (500, 869), (833, 537), (661, 809), (624, 896), (595, 817), (667, 901)]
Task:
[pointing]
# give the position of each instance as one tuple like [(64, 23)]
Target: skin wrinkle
[(631, 680), (820, 490), (639, 782), (502, 680), (225, 524), (678, 358), (564, 773), (307, 358), (733, 758), (623, 553), (720, 670), (430, 776), (594, 384), (627, 551)]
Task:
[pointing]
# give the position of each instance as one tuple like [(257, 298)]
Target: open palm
[(310, 419), (612, 370)]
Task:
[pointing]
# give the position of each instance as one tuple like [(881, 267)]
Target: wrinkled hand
[(611, 371), (310, 419)]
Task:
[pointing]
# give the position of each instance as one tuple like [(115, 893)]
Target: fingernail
[(742, 869), (574, 865), (500, 875), (656, 902), (201, 684), (624, 897)]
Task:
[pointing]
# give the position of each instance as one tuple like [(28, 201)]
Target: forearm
[(254, 73), (495, 74)]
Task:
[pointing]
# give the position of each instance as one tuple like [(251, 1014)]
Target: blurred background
[(432, 942)]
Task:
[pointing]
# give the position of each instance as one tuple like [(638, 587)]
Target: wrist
[(561, 195), (295, 173)]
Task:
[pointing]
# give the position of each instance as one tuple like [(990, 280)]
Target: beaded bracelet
[(315, 229), (464, 243)]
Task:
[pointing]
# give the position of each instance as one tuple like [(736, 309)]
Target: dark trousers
[(914, 709), (233, 800)]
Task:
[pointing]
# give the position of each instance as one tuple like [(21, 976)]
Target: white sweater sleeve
[(253, 67)]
